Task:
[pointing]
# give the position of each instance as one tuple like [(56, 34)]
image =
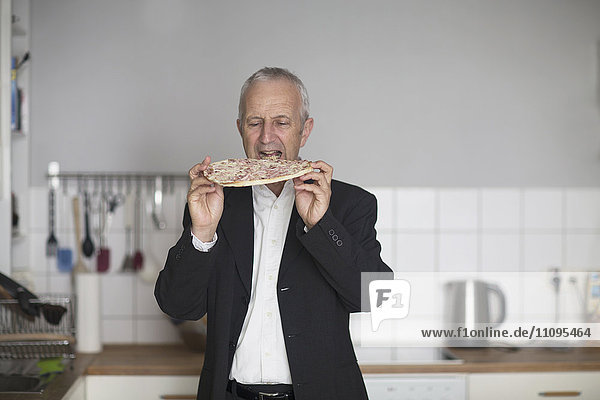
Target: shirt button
[(274, 242), (269, 314), (275, 206), (267, 354), (270, 277)]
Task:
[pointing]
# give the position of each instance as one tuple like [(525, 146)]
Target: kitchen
[(485, 118)]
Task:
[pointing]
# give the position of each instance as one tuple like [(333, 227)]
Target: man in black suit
[(276, 268)]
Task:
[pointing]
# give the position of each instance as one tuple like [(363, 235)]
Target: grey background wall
[(473, 93)]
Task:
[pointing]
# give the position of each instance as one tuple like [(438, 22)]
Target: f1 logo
[(388, 299)]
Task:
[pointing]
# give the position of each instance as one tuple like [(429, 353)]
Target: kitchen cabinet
[(581, 385), (416, 386), (77, 391), (149, 387)]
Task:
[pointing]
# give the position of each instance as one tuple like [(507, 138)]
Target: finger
[(197, 169), (200, 181), (218, 189), (201, 190), (315, 176), (314, 189), (324, 167)]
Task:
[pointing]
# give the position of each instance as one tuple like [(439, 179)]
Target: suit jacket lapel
[(292, 244), (237, 224)]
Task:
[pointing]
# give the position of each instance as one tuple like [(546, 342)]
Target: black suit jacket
[(318, 286)]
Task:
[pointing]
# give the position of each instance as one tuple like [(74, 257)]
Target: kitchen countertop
[(502, 359), (61, 384), (178, 360)]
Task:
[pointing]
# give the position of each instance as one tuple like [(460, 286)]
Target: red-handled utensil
[(138, 256), (103, 256)]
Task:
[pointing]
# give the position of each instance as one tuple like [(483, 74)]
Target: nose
[(267, 134)]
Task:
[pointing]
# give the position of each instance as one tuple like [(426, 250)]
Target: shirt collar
[(262, 191)]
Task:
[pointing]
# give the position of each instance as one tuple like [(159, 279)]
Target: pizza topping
[(250, 171)]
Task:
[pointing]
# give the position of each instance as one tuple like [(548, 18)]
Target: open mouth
[(270, 155)]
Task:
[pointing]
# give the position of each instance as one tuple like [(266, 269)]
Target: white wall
[(461, 93), (509, 236)]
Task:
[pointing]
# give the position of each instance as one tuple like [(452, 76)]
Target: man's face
[(272, 125)]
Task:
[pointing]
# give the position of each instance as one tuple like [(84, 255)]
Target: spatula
[(138, 257), (103, 256), (87, 245), (79, 265), (64, 255)]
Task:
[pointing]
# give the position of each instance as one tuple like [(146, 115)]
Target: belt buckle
[(271, 396)]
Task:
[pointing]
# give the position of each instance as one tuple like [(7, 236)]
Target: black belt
[(248, 393)]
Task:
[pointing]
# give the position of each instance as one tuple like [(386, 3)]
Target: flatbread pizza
[(238, 172)]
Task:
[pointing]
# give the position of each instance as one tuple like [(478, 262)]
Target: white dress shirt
[(260, 356)]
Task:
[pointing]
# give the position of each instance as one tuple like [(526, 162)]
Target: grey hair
[(271, 74)]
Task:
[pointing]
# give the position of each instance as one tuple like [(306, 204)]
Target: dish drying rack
[(21, 337)]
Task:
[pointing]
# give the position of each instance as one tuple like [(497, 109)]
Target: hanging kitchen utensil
[(151, 267), (103, 257), (157, 200), (80, 264), (111, 202), (52, 242), (128, 217), (138, 257), (64, 255), (87, 245)]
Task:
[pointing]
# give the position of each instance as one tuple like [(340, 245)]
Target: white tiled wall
[(490, 229), (483, 231), (129, 311)]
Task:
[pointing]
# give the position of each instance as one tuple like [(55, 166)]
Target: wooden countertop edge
[(176, 360), (469, 367), (137, 370), (482, 367)]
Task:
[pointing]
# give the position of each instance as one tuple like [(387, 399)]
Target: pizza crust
[(233, 166)]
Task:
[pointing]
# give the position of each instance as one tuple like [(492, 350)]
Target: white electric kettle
[(469, 304)]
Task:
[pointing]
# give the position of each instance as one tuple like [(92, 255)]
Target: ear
[(306, 130), (239, 126)]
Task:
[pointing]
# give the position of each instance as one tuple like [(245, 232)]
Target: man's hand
[(312, 200), (205, 202)]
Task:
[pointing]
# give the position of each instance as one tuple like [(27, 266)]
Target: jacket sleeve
[(344, 249), (181, 287)]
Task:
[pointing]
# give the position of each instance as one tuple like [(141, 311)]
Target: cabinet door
[(77, 390), (138, 387), (531, 386)]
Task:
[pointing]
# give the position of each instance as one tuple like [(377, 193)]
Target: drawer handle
[(560, 394), (178, 396)]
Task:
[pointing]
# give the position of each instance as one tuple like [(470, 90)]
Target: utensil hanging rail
[(117, 176)]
